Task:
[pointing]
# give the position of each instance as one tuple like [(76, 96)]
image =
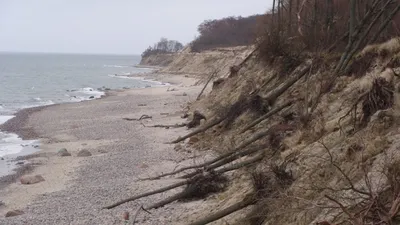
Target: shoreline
[(76, 130)]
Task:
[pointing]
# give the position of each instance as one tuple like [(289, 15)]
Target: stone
[(84, 153), (14, 213), (63, 152), (142, 105), (91, 97), (19, 163), (193, 140), (172, 89), (125, 216), (178, 147), (2, 204), (184, 94), (1, 158), (31, 179)]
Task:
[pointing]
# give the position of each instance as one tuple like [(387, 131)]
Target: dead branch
[(237, 151), (266, 116), (169, 126), (200, 130), (137, 213), (205, 86), (140, 118)]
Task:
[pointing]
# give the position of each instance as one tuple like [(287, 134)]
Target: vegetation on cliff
[(164, 46)]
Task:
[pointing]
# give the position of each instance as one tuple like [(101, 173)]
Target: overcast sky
[(105, 26)]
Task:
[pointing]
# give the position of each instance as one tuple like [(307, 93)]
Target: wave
[(115, 66)]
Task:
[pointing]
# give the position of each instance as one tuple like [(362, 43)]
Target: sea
[(38, 79)]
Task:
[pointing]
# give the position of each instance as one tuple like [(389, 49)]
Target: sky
[(105, 26)]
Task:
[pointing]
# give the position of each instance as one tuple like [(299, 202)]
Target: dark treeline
[(227, 32), (162, 47), (325, 25)]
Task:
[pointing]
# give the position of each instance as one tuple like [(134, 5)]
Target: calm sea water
[(28, 80)]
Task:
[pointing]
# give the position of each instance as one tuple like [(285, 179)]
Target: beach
[(75, 189)]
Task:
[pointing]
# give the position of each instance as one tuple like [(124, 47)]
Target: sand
[(76, 188)]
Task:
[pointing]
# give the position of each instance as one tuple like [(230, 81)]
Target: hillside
[(305, 123)]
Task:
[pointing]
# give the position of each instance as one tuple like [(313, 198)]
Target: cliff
[(323, 146)]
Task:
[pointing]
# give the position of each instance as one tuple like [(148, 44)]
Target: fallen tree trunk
[(247, 201), (187, 182), (224, 161), (266, 116), (200, 130), (235, 151), (273, 95), (167, 188)]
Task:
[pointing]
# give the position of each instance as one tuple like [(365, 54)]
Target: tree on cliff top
[(162, 47)]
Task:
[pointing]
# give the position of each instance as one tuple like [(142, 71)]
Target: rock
[(84, 153), (178, 147), (19, 163), (184, 94), (125, 216), (1, 158), (193, 140), (91, 97), (142, 104), (31, 179), (14, 213), (148, 86), (107, 89), (35, 146), (2, 204), (63, 152), (172, 89)]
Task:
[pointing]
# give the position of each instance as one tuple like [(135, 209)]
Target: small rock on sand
[(125, 216), (142, 105), (31, 179), (184, 94), (14, 213), (2, 204), (63, 152), (84, 153), (91, 97)]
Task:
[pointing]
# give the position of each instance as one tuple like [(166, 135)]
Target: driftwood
[(169, 126), (266, 116), (138, 119), (197, 117)]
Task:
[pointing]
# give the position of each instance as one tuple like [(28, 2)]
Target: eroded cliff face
[(332, 141), (203, 63)]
